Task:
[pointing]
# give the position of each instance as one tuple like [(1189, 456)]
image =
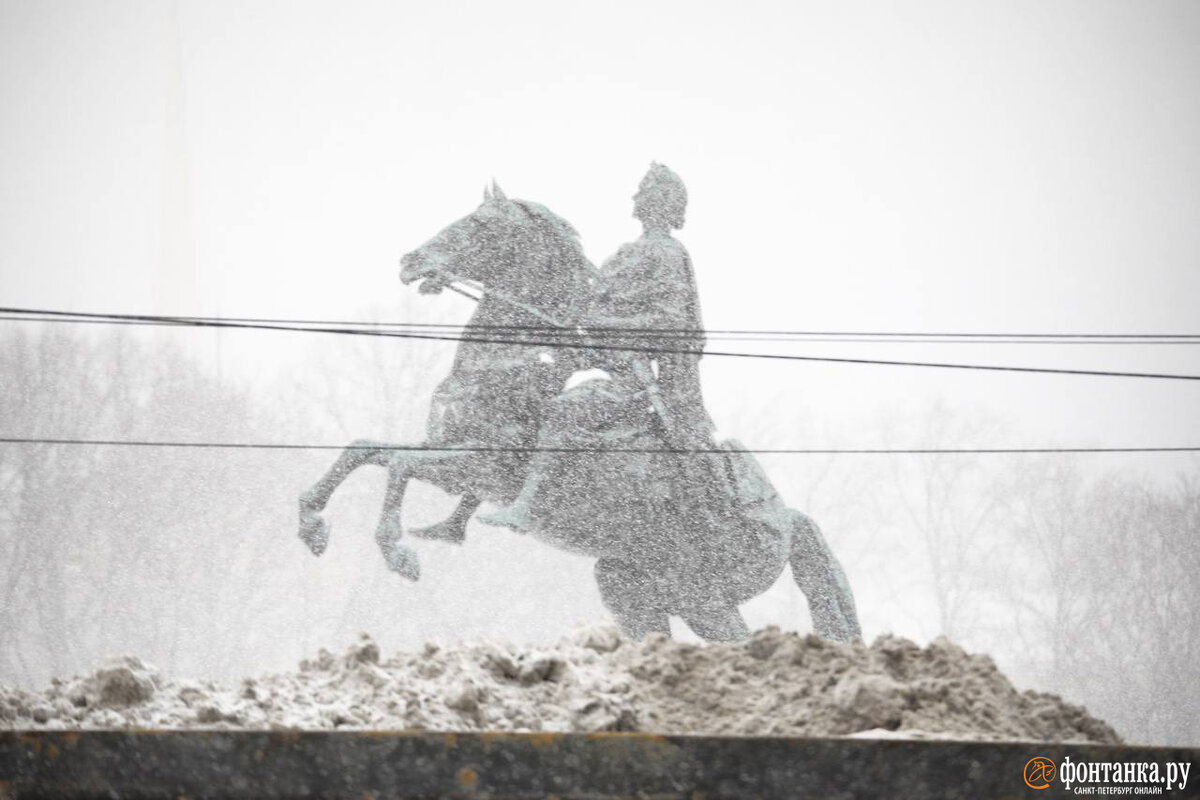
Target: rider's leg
[(519, 514), (567, 415), (717, 623), (453, 528), (628, 595)]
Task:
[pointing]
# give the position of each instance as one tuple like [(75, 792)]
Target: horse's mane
[(549, 218), (559, 284), (562, 231)]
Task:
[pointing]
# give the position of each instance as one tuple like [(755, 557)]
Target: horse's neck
[(551, 284), (544, 291), (499, 317), (498, 335)]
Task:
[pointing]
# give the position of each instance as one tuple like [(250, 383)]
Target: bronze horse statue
[(655, 555)]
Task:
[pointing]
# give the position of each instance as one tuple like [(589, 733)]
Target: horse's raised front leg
[(403, 467), (400, 558), (454, 528), (820, 577), (314, 530)]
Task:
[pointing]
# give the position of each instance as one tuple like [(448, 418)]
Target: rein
[(501, 296)]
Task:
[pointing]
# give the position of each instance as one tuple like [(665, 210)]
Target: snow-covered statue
[(622, 466)]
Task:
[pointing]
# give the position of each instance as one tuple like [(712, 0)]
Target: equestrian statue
[(574, 404)]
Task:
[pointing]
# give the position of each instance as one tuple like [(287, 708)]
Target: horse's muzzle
[(413, 268)]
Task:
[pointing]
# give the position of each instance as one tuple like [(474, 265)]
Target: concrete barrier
[(279, 764)]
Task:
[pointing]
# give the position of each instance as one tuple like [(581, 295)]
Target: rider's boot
[(519, 514)]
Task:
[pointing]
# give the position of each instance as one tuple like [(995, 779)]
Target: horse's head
[(516, 246)]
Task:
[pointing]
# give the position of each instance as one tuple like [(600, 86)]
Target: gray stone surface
[(615, 765)]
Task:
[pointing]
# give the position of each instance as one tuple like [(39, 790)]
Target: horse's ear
[(487, 193), (497, 192)]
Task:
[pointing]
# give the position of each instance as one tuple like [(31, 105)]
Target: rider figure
[(645, 301)]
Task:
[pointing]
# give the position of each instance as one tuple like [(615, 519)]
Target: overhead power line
[(595, 451), (544, 340), (35, 315), (796, 337)]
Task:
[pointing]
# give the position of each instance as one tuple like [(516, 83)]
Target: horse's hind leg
[(629, 596), (313, 528), (717, 623), (820, 577)]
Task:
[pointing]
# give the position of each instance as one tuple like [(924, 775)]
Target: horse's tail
[(820, 577), (815, 570)]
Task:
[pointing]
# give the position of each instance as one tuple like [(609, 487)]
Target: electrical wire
[(209, 323), (596, 451), (736, 336), (940, 337)]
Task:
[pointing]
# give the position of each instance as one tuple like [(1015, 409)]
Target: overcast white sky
[(937, 166)]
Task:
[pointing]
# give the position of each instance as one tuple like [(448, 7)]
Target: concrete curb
[(402, 764)]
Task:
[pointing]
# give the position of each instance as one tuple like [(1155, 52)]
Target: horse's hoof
[(402, 559), (447, 530), (314, 531)]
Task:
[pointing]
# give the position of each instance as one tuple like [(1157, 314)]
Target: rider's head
[(661, 199)]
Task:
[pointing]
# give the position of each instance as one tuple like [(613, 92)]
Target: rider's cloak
[(646, 301)]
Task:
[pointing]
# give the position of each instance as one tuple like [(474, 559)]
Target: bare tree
[(54, 387), (110, 547), (1105, 592), (950, 500)]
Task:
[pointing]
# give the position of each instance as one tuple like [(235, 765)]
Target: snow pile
[(776, 684)]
